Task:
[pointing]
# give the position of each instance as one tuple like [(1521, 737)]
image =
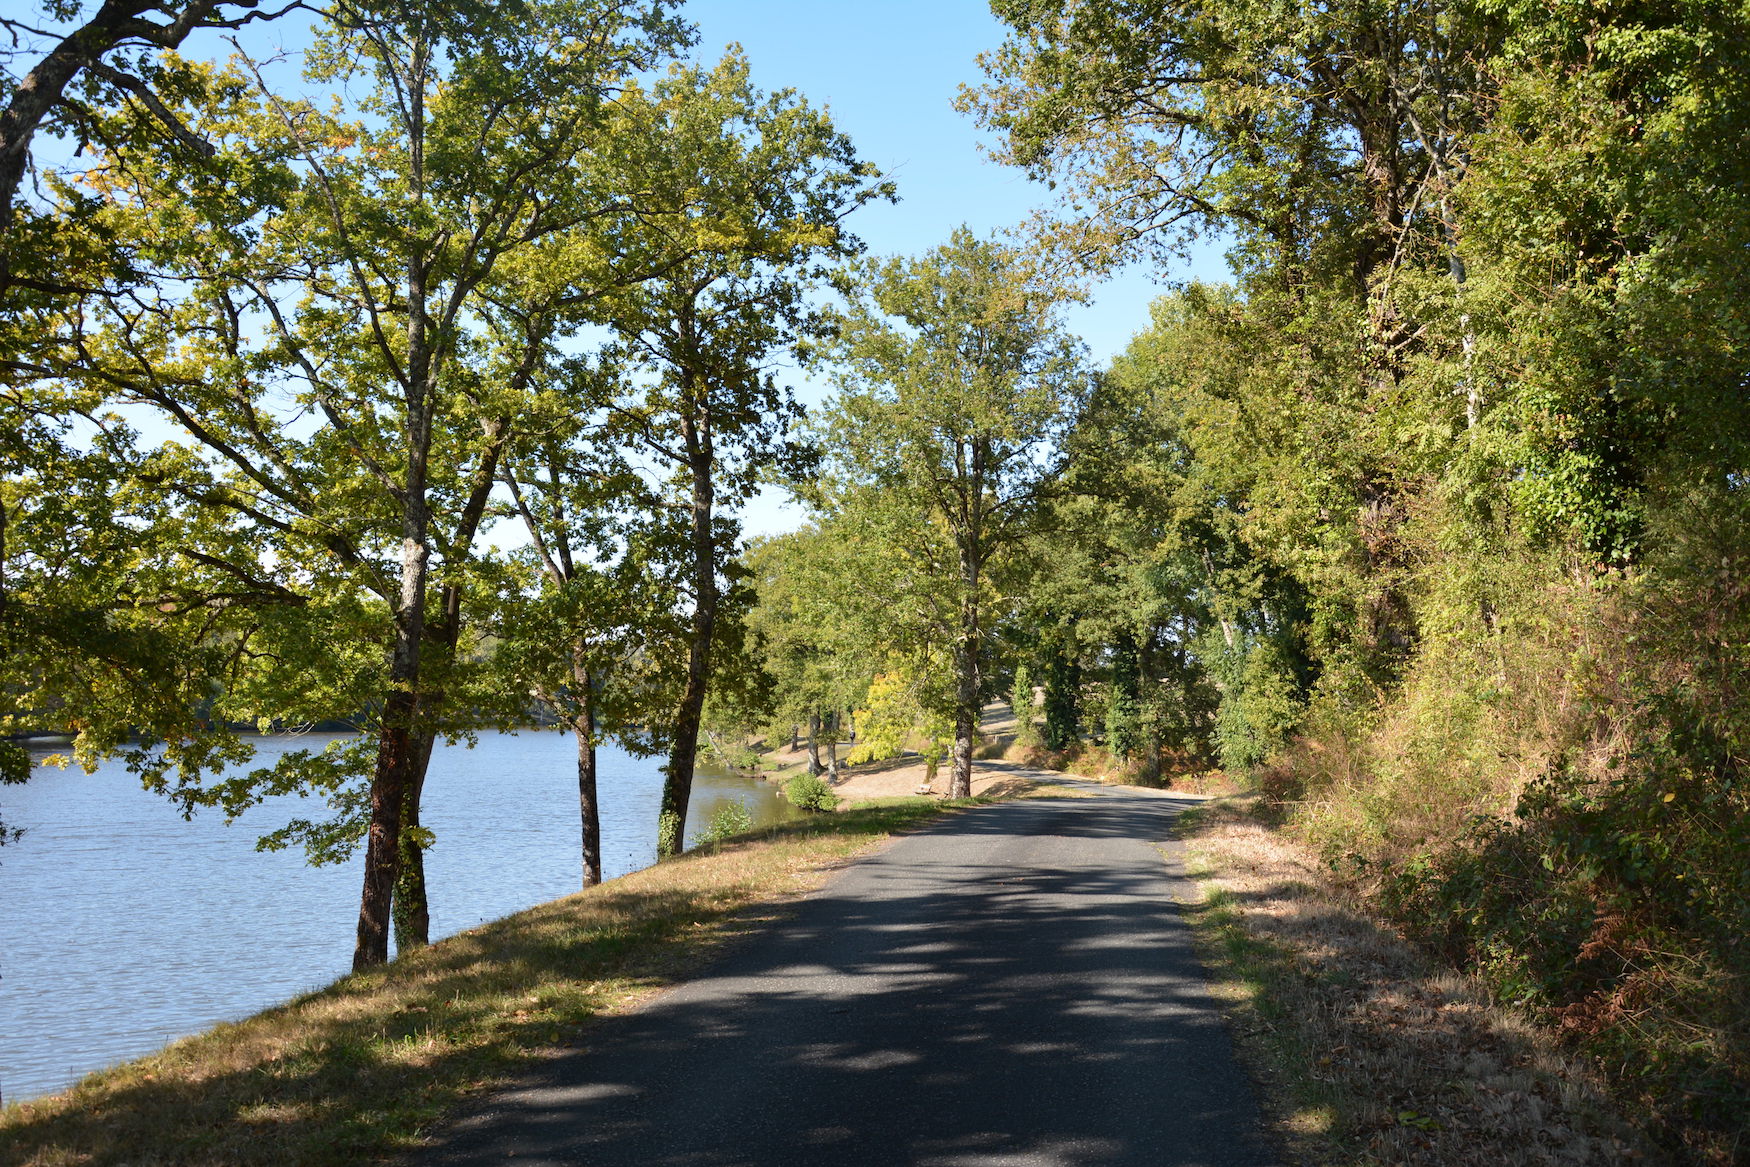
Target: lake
[(125, 927)]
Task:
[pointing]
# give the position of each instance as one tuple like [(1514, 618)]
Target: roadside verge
[(1364, 1051)]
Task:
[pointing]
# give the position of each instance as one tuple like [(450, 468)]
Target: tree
[(758, 187), (403, 288), (810, 627), (595, 640), (956, 388)]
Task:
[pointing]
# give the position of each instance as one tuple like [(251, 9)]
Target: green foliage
[(810, 792), (1063, 679), (1123, 727), (15, 764), (1022, 705), (726, 821), (668, 834), (15, 767), (883, 725), (815, 635), (1431, 520)]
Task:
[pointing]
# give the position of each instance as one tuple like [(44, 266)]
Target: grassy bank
[(1369, 1053), (360, 1069)]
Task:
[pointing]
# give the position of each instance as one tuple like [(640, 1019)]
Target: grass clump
[(363, 1068)]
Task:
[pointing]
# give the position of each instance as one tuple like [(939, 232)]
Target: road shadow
[(1012, 985)]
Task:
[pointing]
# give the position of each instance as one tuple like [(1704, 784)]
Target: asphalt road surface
[(1012, 985)]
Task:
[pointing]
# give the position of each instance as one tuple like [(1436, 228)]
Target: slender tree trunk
[(383, 836), (397, 749), (588, 809), (832, 745), (966, 678), (677, 788), (814, 766), (412, 908), (965, 720)]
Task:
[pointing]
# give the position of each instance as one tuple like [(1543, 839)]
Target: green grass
[(363, 1068)]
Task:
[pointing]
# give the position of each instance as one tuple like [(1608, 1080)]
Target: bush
[(810, 792), (729, 819)]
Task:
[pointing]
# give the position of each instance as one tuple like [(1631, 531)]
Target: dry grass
[(1019, 787), (359, 1070), (1366, 1053)]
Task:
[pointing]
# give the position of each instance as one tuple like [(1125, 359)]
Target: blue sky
[(889, 71)]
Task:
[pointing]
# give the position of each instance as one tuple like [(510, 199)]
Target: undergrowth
[(1557, 799)]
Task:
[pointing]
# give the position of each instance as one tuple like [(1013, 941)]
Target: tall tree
[(382, 300), (758, 187), (957, 386)]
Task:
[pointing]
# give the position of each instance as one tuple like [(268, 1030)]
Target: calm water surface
[(123, 927)]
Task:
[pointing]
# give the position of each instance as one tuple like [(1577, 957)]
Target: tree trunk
[(814, 766), (677, 786), (832, 746), (965, 721), (383, 836), (397, 748), (966, 678), (410, 910), (588, 809)]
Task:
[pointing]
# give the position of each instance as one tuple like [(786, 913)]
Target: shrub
[(729, 819), (810, 792)]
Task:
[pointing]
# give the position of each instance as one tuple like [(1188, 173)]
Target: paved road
[(1010, 986)]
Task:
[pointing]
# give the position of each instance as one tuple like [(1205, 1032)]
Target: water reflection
[(125, 927)]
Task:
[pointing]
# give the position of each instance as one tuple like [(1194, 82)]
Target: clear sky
[(889, 71)]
